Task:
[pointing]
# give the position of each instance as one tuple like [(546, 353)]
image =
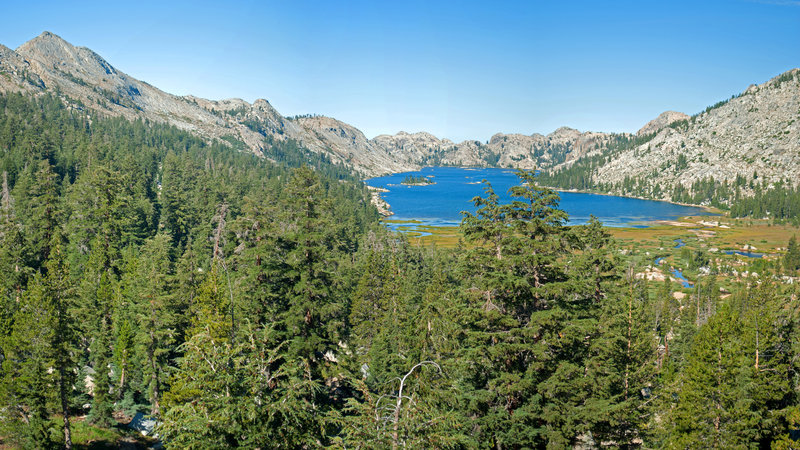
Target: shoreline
[(709, 209), (384, 209)]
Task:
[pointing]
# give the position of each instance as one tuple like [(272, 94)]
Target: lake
[(440, 204)]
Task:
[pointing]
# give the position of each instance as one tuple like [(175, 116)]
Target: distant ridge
[(48, 61), (756, 131)]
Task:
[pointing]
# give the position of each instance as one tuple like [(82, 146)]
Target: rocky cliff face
[(16, 74), (758, 131), (348, 145), (755, 132)]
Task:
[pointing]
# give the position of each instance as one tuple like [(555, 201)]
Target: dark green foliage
[(28, 353), (38, 366), (410, 179), (733, 389), (534, 294), (780, 201), (260, 305), (791, 260), (244, 393)]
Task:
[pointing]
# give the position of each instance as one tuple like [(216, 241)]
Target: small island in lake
[(411, 180)]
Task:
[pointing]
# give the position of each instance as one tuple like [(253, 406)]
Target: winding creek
[(677, 273)]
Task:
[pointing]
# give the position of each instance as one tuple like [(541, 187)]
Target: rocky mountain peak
[(262, 104), (663, 120), (565, 132), (52, 56), (48, 44), (44, 39)]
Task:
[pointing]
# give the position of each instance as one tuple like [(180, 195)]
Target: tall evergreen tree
[(12, 259), (155, 313), (37, 195), (791, 260), (95, 304), (27, 382), (38, 368), (528, 320)]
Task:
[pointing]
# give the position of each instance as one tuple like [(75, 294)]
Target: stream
[(675, 272)]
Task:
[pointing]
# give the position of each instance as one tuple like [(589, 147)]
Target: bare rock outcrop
[(663, 120), (755, 134)]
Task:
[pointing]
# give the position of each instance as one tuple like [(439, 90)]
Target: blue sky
[(461, 70)]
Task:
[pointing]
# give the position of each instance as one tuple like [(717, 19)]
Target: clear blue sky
[(461, 70)]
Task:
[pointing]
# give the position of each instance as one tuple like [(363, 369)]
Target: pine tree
[(155, 313), (38, 365), (95, 305), (621, 368), (527, 320), (368, 306), (99, 215), (245, 393), (12, 259), (177, 183), (37, 195), (26, 387), (415, 410), (707, 392), (735, 375), (766, 341), (188, 278), (791, 261), (314, 314), (435, 332), (60, 293)]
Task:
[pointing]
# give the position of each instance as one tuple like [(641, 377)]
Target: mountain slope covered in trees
[(245, 303)]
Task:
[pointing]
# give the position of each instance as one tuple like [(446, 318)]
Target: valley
[(664, 160), (189, 273)]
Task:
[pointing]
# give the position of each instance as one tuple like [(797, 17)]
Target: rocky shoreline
[(375, 197), (709, 209)]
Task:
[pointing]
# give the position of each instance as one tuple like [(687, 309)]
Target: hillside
[(756, 132), (49, 63)]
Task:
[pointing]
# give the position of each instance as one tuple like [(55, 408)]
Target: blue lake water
[(440, 204)]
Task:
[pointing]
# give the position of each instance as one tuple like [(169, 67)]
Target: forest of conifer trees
[(257, 304)]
